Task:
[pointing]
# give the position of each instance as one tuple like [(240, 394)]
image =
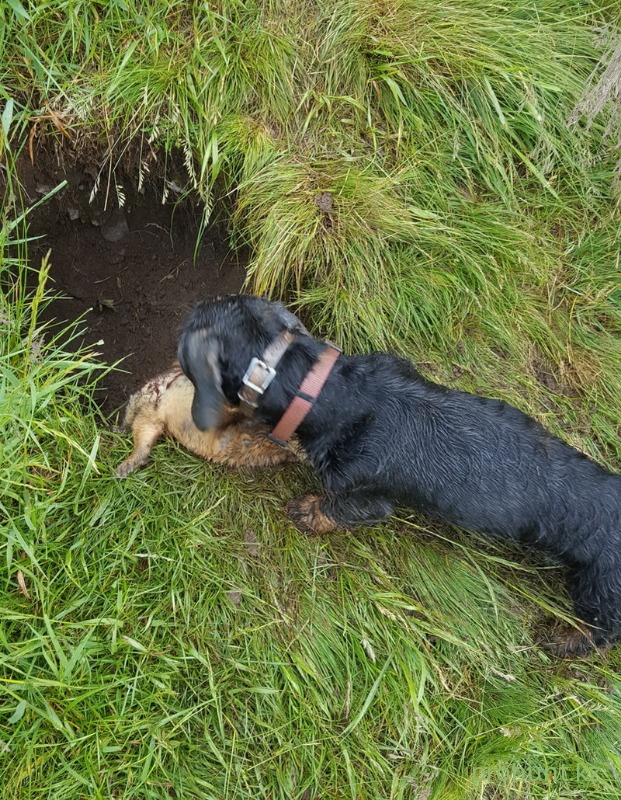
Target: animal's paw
[(308, 517), (123, 470), (571, 643)]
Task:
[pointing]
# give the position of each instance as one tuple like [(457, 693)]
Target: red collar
[(305, 396), (262, 371)]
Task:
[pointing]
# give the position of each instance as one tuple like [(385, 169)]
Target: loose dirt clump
[(133, 270)]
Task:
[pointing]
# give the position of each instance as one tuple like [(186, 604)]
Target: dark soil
[(134, 272)]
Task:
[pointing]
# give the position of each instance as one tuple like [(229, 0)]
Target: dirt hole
[(135, 271)]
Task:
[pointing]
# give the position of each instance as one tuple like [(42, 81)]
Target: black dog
[(380, 435)]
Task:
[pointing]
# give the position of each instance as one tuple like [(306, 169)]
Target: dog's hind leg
[(315, 514), (596, 592), (597, 602)]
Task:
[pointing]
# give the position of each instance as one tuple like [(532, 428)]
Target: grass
[(173, 635), (427, 179)]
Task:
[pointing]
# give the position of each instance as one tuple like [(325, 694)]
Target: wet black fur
[(380, 435)]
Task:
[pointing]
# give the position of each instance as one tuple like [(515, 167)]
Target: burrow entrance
[(134, 271)]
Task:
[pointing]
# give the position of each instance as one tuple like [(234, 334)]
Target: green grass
[(179, 638), (405, 175)]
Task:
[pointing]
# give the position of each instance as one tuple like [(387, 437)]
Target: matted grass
[(406, 175)]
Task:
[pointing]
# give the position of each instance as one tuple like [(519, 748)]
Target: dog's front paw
[(308, 517)]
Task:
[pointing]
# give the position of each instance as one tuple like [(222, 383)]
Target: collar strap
[(305, 396), (261, 372)]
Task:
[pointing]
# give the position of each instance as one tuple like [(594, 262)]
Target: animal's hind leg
[(315, 514), (145, 436)]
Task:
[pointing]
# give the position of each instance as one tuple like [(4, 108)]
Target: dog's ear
[(199, 356), (290, 321)]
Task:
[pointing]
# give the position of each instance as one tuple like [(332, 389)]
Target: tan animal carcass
[(163, 406)]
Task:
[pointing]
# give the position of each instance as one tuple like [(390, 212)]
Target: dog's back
[(478, 462)]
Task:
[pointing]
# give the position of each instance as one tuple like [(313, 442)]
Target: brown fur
[(308, 517), (570, 642), (163, 407)]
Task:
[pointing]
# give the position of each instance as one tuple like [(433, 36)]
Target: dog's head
[(218, 341)]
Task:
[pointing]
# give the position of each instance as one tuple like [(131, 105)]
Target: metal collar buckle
[(261, 372), (258, 384)]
